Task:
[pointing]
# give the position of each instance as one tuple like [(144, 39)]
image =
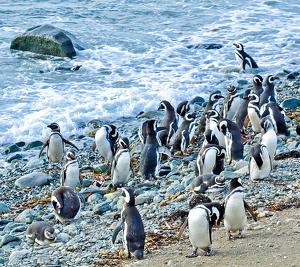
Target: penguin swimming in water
[(231, 103), (260, 163), (207, 182), (55, 143), (268, 136), (132, 226), (122, 165), (242, 112), (201, 220), (66, 204), (269, 94), (235, 218), (40, 232), (257, 85), (105, 141), (253, 112), (244, 60)]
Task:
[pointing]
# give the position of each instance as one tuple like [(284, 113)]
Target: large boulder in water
[(47, 40)]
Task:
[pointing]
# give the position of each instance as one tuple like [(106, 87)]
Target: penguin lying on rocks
[(244, 60), (40, 232), (207, 182)]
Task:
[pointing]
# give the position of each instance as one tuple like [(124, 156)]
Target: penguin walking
[(253, 113), (244, 60), (131, 225), (122, 165), (231, 103), (235, 218), (268, 136), (207, 182), (66, 204), (257, 85), (201, 220), (242, 112), (40, 232), (212, 119), (105, 141), (55, 143), (260, 163), (269, 94)]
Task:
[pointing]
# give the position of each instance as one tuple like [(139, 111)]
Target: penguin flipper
[(247, 207), (62, 177), (210, 226), (132, 169), (70, 143), (116, 231), (185, 224), (94, 146), (80, 178), (46, 144), (164, 150)]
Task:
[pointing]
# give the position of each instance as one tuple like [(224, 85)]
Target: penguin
[(210, 138), (184, 133), (201, 220), (184, 107), (244, 60), (260, 163), (122, 165), (70, 173), (298, 128), (242, 111), (105, 141), (207, 182), (268, 136), (40, 232), (253, 113), (55, 143), (170, 122), (235, 218), (210, 160), (257, 85), (66, 204), (269, 94), (231, 103), (212, 119), (131, 225), (233, 139)]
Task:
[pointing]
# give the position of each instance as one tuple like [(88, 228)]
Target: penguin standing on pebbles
[(269, 94), (268, 136), (242, 112), (40, 232), (253, 113), (257, 85), (210, 138), (55, 143), (244, 60), (212, 119), (231, 103), (132, 226)]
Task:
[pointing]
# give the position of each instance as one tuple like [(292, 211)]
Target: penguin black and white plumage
[(242, 111), (184, 134), (268, 136), (235, 218), (210, 138), (66, 204), (260, 163), (212, 119), (70, 173), (298, 128), (244, 60), (233, 139), (210, 160), (253, 112), (105, 141), (122, 165), (269, 93), (170, 122), (184, 107), (40, 232), (201, 219), (257, 84), (231, 103), (207, 182), (55, 143), (132, 226)]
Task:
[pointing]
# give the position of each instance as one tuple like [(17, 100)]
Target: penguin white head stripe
[(231, 88), (253, 98), (212, 113), (257, 79), (223, 125), (239, 46), (271, 79), (215, 97), (128, 197), (54, 127), (49, 233)]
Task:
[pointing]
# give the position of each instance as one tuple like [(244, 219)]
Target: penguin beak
[(236, 45)]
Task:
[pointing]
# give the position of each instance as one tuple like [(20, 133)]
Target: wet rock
[(3, 208), (94, 124), (33, 179), (291, 103), (102, 207), (12, 149), (230, 69), (146, 197), (15, 256), (63, 237), (27, 216), (7, 238), (94, 198), (34, 163), (91, 133), (150, 114), (12, 157), (33, 145), (100, 168), (197, 100)]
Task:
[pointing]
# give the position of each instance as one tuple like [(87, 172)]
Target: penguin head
[(56, 202), (49, 233), (271, 79), (212, 114), (165, 105), (183, 108), (234, 183), (71, 155), (246, 94), (129, 196), (220, 180), (190, 116), (76, 67), (266, 123), (139, 253), (112, 132), (54, 127), (217, 213), (231, 89), (239, 46), (221, 153), (253, 98), (124, 142), (257, 79), (223, 125), (215, 97)]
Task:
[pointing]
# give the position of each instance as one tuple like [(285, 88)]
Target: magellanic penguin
[(257, 85), (105, 141), (40, 232), (253, 113), (235, 209), (150, 151), (231, 103), (268, 136), (201, 220), (70, 173), (210, 138), (122, 165), (66, 204), (132, 226), (242, 112), (207, 182), (244, 60), (260, 163), (269, 94), (212, 119), (233, 139), (55, 143), (210, 160), (184, 133), (184, 107)]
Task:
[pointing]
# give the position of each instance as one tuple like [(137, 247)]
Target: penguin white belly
[(263, 172), (255, 120), (220, 136), (228, 145), (122, 169), (209, 161), (239, 59), (72, 175), (233, 108), (55, 150), (269, 139), (235, 216), (44, 242), (103, 145), (199, 229)]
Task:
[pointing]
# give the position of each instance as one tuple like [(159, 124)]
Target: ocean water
[(137, 55)]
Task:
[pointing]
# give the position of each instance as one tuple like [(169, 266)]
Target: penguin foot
[(193, 255), (208, 252), (240, 235), (50, 167), (229, 236)]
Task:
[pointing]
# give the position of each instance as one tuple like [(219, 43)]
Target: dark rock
[(102, 207), (12, 149), (20, 144), (293, 75), (13, 157), (290, 103), (94, 124), (47, 40), (7, 238), (33, 145), (197, 100), (27, 216), (205, 46)]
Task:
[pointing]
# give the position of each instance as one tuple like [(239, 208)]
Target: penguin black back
[(242, 111), (244, 60)]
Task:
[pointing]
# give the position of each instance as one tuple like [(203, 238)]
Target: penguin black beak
[(236, 45)]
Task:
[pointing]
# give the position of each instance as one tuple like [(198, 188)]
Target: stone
[(3, 208), (187, 180), (15, 256), (102, 207), (7, 238), (197, 100), (28, 216), (243, 171), (100, 168), (33, 179), (33, 145), (158, 198), (112, 195), (146, 197), (11, 149), (12, 157), (47, 40), (174, 189), (34, 163), (230, 69), (91, 133), (291, 103), (94, 198), (94, 124), (63, 237)]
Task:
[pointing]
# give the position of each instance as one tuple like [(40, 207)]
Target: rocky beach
[(27, 183)]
